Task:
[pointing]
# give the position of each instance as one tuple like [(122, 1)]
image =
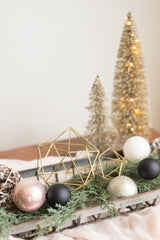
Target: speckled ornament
[(136, 148), (8, 179), (121, 186), (29, 195), (149, 168)]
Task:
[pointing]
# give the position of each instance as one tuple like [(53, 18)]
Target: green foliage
[(92, 194)]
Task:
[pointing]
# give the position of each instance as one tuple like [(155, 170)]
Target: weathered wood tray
[(95, 213), (83, 216), (90, 214)]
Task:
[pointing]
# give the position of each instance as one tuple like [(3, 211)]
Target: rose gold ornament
[(28, 195)]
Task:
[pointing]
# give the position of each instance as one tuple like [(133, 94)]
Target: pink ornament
[(28, 195)]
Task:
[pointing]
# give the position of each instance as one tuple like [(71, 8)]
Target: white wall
[(50, 53)]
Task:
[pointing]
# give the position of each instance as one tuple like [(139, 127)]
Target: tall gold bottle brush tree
[(130, 109)]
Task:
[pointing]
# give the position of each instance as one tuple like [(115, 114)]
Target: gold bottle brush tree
[(130, 109)]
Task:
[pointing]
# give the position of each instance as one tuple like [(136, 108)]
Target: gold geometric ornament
[(73, 157), (110, 161)]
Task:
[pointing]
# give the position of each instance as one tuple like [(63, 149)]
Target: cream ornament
[(121, 186), (136, 148)]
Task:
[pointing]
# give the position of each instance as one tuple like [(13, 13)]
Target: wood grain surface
[(30, 152)]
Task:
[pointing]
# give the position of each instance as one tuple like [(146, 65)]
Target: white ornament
[(136, 148), (121, 186)]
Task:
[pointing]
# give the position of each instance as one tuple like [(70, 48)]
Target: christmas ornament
[(155, 146), (121, 186), (8, 179), (29, 195), (106, 159), (58, 193), (68, 153), (136, 148), (149, 168)]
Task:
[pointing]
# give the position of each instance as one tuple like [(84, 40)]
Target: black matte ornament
[(149, 168), (58, 193)]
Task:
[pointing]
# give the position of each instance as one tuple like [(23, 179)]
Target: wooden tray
[(86, 215), (96, 213)]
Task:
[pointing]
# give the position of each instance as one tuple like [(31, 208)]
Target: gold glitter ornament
[(8, 179)]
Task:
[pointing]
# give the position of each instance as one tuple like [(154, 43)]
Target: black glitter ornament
[(149, 168), (58, 193)]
